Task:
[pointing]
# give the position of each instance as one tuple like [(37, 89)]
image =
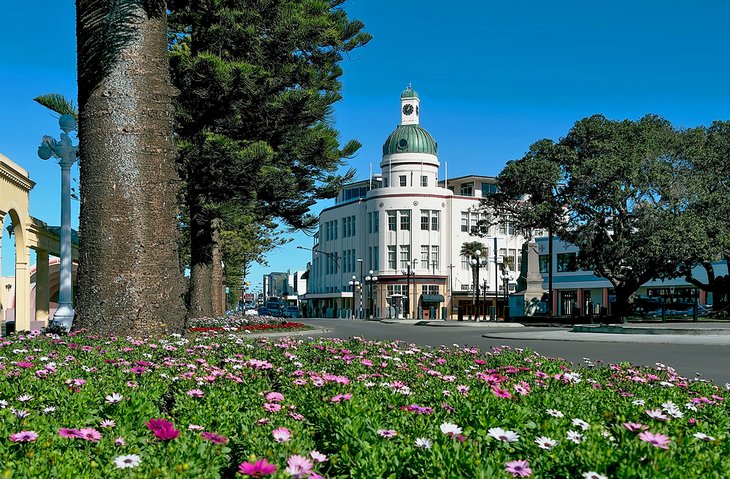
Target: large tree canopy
[(708, 199), (615, 189), (258, 81)]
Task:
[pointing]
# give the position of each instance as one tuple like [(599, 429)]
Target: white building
[(406, 217)]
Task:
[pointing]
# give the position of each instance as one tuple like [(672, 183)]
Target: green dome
[(409, 93), (410, 139)]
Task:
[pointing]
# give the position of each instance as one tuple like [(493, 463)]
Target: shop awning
[(432, 298)]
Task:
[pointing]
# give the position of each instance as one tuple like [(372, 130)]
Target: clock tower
[(409, 107)]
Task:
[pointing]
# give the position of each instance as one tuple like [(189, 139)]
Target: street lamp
[(66, 153), (370, 280), (409, 271), (354, 283), (477, 261), (359, 260), (505, 282)]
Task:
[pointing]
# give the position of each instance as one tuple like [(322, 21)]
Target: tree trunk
[(622, 307), (129, 280), (201, 263), (216, 283)]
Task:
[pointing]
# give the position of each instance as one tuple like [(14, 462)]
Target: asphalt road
[(711, 362)]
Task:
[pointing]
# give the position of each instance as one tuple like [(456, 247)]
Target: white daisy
[(503, 435), (555, 413), (544, 442), (424, 443), (703, 437), (575, 437), (581, 424), (450, 429), (130, 460), (593, 475)]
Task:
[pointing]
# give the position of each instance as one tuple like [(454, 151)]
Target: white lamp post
[(371, 280), (66, 154), (354, 283), (477, 261)]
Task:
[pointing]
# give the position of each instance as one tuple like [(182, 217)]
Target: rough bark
[(201, 265), (129, 280), (216, 280)]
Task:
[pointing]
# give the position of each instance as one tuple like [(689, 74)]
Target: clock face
[(408, 109)]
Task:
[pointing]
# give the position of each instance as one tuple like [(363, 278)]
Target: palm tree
[(129, 280), (469, 250)]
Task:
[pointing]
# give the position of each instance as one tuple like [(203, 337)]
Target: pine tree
[(258, 81)]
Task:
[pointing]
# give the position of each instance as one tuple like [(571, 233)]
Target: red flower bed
[(285, 326)]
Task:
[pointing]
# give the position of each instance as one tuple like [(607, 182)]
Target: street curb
[(285, 334), (568, 336), (453, 324)]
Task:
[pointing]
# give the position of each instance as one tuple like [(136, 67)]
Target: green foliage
[(258, 81), (334, 396), (615, 189), (58, 103)]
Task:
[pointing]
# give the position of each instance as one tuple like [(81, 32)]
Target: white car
[(251, 312)]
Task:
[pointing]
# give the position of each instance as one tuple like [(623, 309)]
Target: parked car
[(251, 312), (264, 311), (292, 312)]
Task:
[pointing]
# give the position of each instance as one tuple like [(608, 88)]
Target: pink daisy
[(387, 433), (24, 436), (656, 440), (259, 468), (518, 468), (281, 434), (275, 397), (214, 437), (635, 426), (318, 456), (195, 393), (89, 434), (68, 433), (299, 466)]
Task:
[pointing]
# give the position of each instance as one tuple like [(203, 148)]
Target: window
[(465, 263), (352, 225), (434, 258), (488, 189), (429, 289), (402, 179), (392, 258), (391, 221), (544, 263), (385, 182), (424, 180), (566, 262), (424, 254), (376, 259), (396, 289), (345, 261), (424, 220), (376, 220), (464, 221), (474, 228), (345, 224), (334, 228), (467, 189), (370, 222), (405, 256), (435, 220), (405, 220)]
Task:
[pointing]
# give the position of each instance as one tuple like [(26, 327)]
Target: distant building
[(580, 292), (407, 217)]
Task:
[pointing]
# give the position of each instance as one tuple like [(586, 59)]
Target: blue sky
[(493, 77)]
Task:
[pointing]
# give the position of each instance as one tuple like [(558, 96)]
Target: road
[(710, 361)]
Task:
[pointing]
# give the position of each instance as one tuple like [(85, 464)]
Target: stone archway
[(30, 233)]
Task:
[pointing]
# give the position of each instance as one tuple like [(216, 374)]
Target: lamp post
[(354, 283), (477, 261), (408, 271), (505, 282), (370, 280), (66, 153), (362, 281)]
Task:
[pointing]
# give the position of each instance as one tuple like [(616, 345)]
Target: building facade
[(578, 292), (406, 226)]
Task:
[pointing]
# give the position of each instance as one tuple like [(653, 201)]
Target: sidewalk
[(451, 323), (698, 333)]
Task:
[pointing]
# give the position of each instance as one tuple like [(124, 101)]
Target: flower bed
[(218, 405), (248, 324)]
